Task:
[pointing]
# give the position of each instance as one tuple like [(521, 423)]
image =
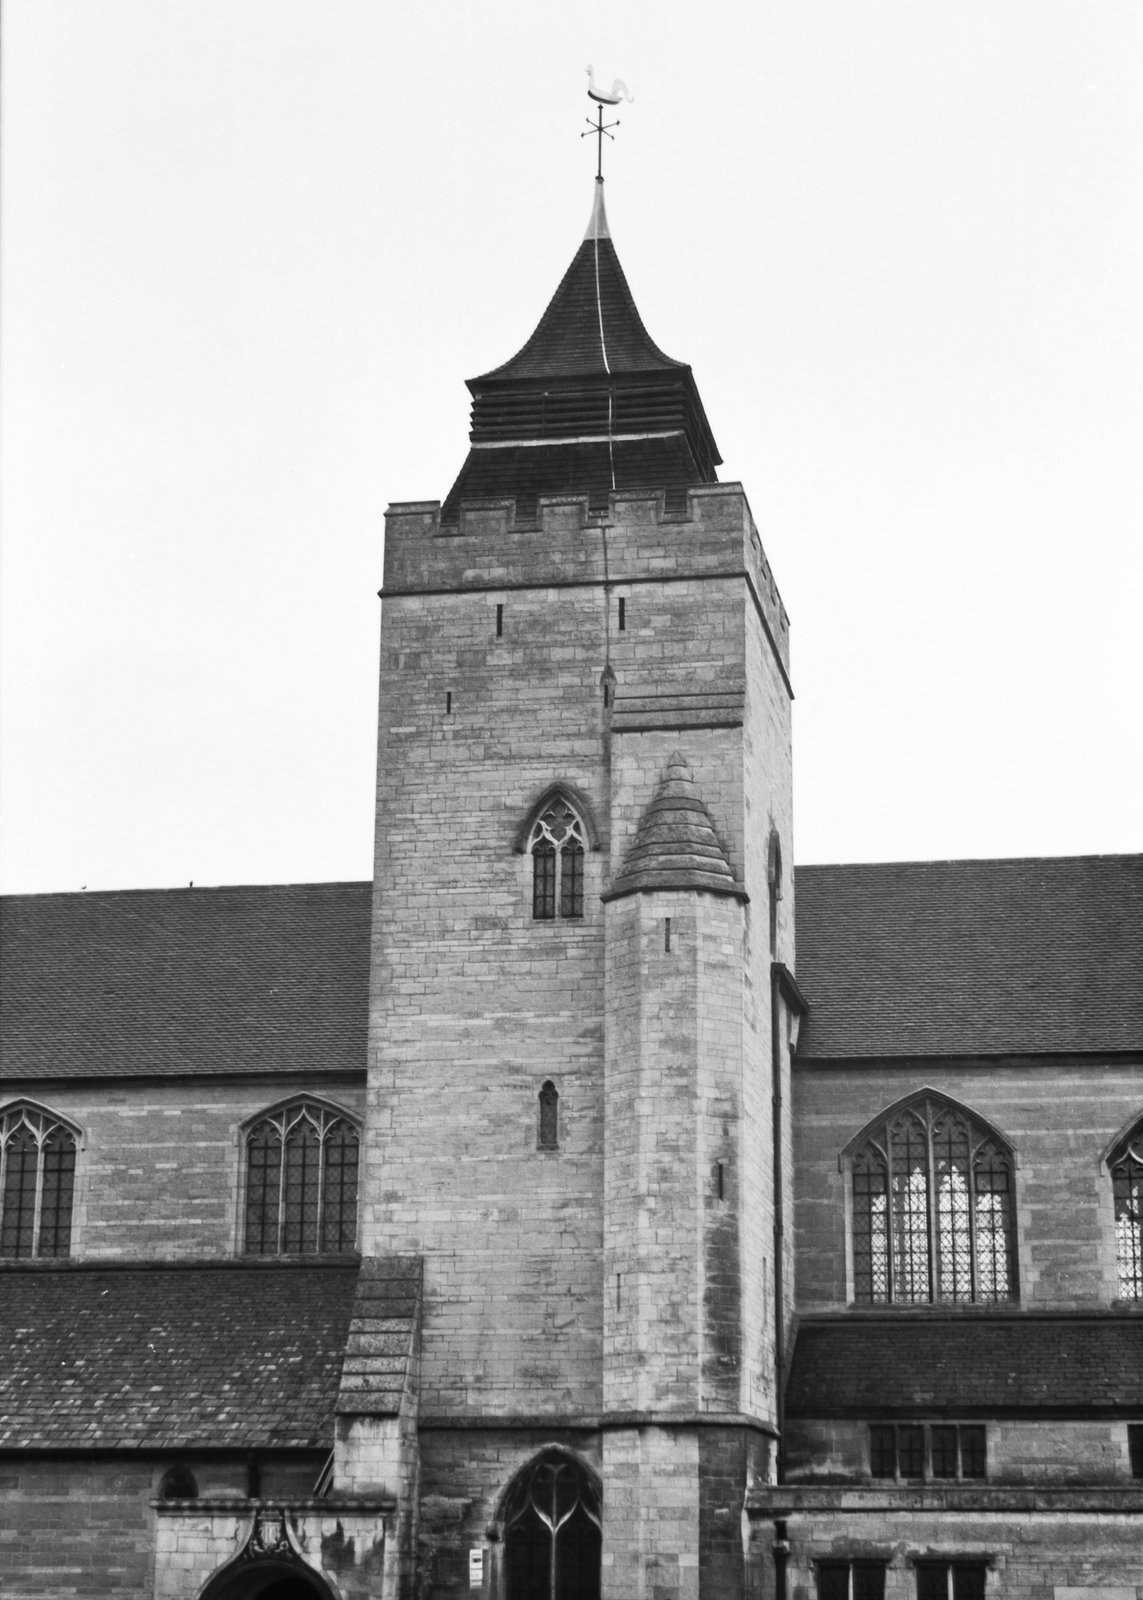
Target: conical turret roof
[(589, 403), (675, 845)]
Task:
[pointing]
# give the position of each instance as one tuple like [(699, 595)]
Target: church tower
[(577, 1158)]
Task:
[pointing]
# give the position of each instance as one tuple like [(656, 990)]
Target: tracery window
[(552, 1538), (301, 1181), (932, 1209), (37, 1183), (1126, 1165), (557, 849)]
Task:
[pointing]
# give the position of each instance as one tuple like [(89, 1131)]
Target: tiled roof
[(981, 1365), (675, 845), (971, 957), (209, 1356), (262, 979), (383, 1338)]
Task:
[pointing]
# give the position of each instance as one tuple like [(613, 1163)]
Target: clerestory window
[(1126, 1165), (37, 1182), (932, 1209), (301, 1181), (556, 845)]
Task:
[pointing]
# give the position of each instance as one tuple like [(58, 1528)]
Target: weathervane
[(617, 92)]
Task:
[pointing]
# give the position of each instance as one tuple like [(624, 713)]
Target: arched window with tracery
[(556, 845), (933, 1209), (37, 1182), (1126, 1163), (552, 1538), (301, 1181)]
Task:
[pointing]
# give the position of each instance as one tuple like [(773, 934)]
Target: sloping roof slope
[(675, 845), (971, 957), (211, 1356), (378, 1371), (969, 1365), (169, 981)]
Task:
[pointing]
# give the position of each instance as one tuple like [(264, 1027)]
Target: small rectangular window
[(622, 615), (499, 622), (941, 1450), (950, 1580), (973, 1455), (850, 1580), (1135, 1448)]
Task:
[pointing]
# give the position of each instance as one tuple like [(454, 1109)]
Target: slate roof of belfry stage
[(971, 1364), (971, 957), (213, 1356), (263, 979)]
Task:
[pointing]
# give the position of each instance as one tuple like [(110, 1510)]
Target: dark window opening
[(850, 1580), (499, 622), (932, 1210), (301, 1182), (178, 1484), (950, 1580), (1135, 1448), (557, 848), (549, 1117), (37, 1183), (552, 1539), (1127, 1184), (622, 615), (774, 885)]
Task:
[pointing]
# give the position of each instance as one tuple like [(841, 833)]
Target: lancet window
[(552, 1539), (1127, 1184), (556, 846), (37, 1182), (932, 1209), (549, 1133), (301, 1181)]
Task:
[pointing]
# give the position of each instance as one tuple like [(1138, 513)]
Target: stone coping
[(791, 1499)]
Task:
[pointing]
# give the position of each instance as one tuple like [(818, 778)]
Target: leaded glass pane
[(21, 1169), (973, 1452), (571, 880), (339, 1203), (933, 1580), (944, 1451), (57, 1187), (968, 1581), (543, 880), (909, 1169), (992, 1176), (954, 1226), (1127, 1185), (263, 1183), (882, 1450), (870, 1227), (301, 1189), (911, 1451)]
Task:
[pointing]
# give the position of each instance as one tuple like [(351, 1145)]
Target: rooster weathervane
[(604, 97)]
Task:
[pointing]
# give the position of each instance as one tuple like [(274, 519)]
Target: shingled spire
[(589, 404), (675, 845)]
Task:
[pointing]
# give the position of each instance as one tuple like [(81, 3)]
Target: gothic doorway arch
[(552, 1538), (268, 1580)]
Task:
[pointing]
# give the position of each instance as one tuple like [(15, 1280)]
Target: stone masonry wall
[(1060, 1116), (159, 1173)]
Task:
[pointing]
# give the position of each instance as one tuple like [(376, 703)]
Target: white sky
[(252, 248)]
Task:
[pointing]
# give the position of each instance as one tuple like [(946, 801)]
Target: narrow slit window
[(499, 622), (622, 615), (549, 1117)]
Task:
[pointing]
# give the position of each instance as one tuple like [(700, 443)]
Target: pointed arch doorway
[(552, 1538), (269, 1580)]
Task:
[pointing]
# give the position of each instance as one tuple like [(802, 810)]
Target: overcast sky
[(252, 249)]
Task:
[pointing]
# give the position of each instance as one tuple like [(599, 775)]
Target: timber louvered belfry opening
[(552, 1538)]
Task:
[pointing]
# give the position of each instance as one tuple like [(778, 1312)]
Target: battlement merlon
[(635, 541)]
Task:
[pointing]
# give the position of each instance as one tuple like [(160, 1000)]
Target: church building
[(594, 1206)]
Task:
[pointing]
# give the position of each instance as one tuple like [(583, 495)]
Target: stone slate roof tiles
[(168, 1358), (971, 957), (170, 981), (978, 1365), (383, 1337), (675, 845)]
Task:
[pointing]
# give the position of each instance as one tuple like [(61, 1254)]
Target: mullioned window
[(37, 1182), (1126, 1165), (301, 1181)]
